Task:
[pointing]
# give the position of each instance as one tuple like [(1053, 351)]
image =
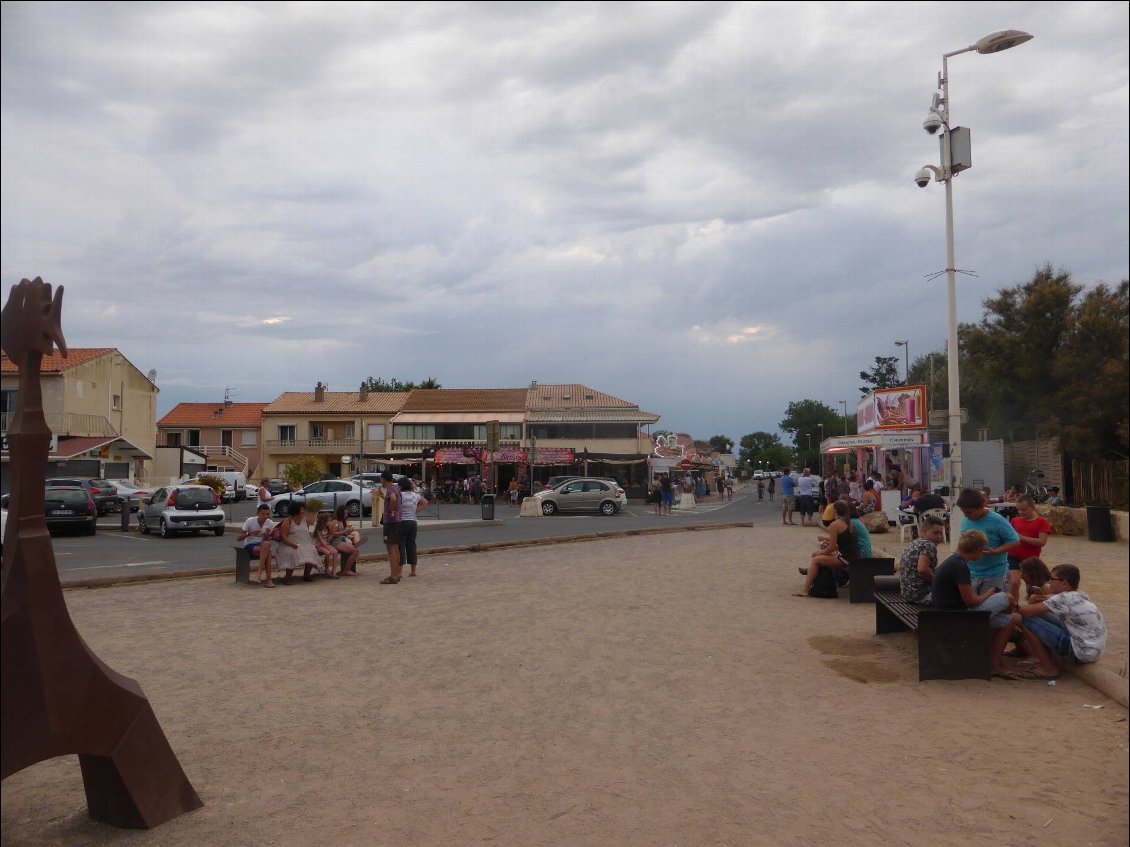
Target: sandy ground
[(651, 690)]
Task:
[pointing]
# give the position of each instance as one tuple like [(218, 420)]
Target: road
[(113, 553)]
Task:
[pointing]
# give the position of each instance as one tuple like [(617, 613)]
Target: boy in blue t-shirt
[(991, 571)]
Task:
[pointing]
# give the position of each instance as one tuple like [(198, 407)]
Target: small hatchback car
[(70, 507), (583, 495), (182, 508)]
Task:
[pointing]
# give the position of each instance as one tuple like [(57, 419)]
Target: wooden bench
[(951, 644), (243, 563), (861, 577)]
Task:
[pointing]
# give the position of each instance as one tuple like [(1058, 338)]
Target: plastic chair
[(910, 526)]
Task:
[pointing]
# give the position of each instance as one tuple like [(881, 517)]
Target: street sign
[(686, 464), (940, 417)]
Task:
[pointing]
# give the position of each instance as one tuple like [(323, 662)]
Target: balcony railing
[(226, 452), (322, 445), (417, 444), (71, 423)]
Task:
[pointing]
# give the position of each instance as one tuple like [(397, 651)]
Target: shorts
[(1051, 633), (253, 549), (997, 606), (981, 584), (788, 502), (807, 505), (668, 498), (392, 532)]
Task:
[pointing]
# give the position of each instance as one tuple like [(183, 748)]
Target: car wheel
[(548, 508), (281, 509), (354, 508), (141, 526), (608, 508), (93, 528), (218, 531), (166, 530)]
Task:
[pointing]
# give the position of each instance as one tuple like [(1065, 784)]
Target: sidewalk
[(658, 689)]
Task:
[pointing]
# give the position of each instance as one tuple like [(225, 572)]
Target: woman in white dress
[(296, 545)]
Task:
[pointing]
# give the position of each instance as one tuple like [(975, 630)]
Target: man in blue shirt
[(788, 499), (991, 570)]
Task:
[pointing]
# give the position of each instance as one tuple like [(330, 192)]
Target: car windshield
[(197, 495), (64, 483)]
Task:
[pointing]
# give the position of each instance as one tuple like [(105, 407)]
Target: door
[(571, 497), (225, 438)]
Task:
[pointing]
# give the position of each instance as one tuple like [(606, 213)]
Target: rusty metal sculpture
[(58, 698)]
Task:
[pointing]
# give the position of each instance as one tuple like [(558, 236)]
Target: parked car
[(104, 492), (135, 494), (70, 507), (583, 495), (182, 508), (250, 492), (277, 486), (332, 493)]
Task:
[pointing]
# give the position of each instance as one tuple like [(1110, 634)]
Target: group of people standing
[(332, 546)]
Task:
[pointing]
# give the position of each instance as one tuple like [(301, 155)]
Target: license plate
[(59, 512), (201, 523)]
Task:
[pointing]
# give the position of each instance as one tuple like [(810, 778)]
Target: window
[(116, 402), (172, 439), (376, 432), (317, 432), (286, 433), (511, 432), (350, 431), (249, 438), (194, 438)]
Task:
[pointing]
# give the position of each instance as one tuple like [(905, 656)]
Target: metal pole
[(956, 480)]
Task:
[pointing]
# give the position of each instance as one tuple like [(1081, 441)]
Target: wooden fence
[(1100, 482)]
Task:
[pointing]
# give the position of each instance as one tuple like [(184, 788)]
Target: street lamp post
[(905, 344), (844, 404), (938, 118), (819, 457)]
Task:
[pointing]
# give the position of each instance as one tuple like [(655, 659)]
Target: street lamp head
[(995, 42)]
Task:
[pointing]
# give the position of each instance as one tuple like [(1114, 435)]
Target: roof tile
[(466, 400), (55, 363), (337, 403), (214, 414)]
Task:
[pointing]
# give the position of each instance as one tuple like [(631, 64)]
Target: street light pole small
[(844, 404), (939, 117), (905, 344)]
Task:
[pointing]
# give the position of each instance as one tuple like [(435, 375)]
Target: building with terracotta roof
[(227, 433), (605, 433), (101, 410), (345, 430)]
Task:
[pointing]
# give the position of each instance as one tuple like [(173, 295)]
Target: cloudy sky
[(706, 209)]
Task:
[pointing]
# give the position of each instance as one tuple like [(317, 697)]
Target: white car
[(250, 492), (331, 493)]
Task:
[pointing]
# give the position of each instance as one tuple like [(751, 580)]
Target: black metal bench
[(951, 644), (243, 563), (861, 577)]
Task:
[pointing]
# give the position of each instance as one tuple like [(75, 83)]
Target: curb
[(133, 579)]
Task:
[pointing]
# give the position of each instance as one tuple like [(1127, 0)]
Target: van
[(235, 484)]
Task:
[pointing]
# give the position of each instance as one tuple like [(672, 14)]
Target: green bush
[(303, 471)]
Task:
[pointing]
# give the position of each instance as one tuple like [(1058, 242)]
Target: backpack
[(824, 585)]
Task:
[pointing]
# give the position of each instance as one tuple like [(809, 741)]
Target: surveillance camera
[(922, 178), (932, 123)]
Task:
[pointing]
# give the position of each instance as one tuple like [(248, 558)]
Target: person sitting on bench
[(255, 535), (951, 589), (1065, 623), (840, 546), (920, 560)]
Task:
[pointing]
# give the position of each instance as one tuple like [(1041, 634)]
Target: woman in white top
[(411, 503)]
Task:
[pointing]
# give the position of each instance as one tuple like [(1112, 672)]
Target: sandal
[(389, 580), (267, 584)]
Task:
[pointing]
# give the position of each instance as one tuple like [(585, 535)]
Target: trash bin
[(488, 507), (1098, 523)]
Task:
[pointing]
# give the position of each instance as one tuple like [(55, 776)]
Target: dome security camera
[(932, 123), (922, 178)]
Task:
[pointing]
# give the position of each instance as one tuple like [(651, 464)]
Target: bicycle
[(1034, 486)]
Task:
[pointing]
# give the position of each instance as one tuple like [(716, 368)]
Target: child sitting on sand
[(1065, 623)]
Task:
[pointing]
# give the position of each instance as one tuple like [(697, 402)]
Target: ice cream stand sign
[(892, 408)]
